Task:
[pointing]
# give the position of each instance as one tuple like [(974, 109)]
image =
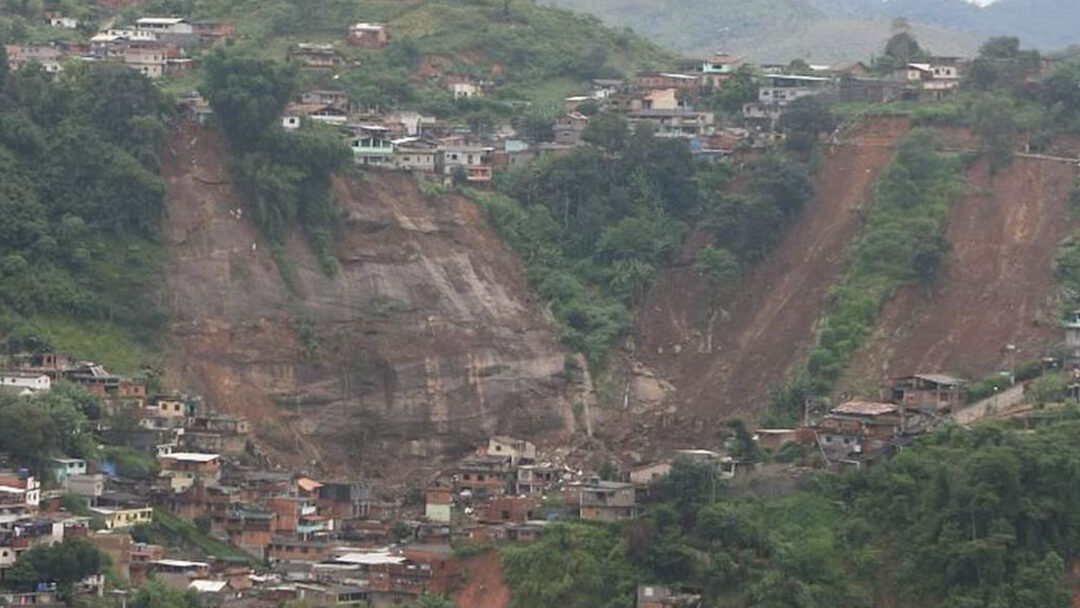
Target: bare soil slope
[(996, 289), (485, 586), (767, 327), (426, 339)]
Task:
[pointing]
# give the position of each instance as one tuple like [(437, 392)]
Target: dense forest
[(81, 199), (965, 518)]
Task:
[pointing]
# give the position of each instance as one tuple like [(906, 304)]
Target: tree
[(608, 131), (247, 92), (803, 121), (902, 48), (996, 127), (719, 266), (737, 91), (64, 564)]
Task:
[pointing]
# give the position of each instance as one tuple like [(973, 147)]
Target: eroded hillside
[(996, 289), (425, 340), (728, 366)]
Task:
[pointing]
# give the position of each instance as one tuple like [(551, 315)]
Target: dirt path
[(486, 587), (769, 326), (997, 288)]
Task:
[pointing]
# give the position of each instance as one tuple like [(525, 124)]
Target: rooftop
[(190, 457), (865, 408)]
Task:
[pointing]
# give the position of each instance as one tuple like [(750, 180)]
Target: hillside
[(769, 325), (998, 288), (425, 340), (834, 30)]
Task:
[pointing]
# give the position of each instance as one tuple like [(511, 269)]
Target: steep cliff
[(726, 365), (996, 289), (425, 340)]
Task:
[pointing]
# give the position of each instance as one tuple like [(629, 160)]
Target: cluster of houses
[(153, 46), (665, 101)]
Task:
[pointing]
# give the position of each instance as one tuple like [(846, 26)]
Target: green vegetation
[(594, 226), (153, 594), (81, 200), (183, 532), (54, 423), (903, 242), (980, 517), (64, 564), (287, 174)]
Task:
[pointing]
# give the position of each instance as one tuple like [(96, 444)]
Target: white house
[(67, 23), (25, 382), (165, 25)]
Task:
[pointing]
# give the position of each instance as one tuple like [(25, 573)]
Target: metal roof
[(865, 408)]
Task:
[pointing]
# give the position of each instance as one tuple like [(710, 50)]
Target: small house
[(535, 479), (605, 500), (372, 147), (317, 56), (415, 154), (930, 393), (64, 468), (648, 473), (368, 35), (164, 25), (569, 127), (181, 470), (517, 450), (438, 503), (663, 596), (474, 163), (25, 382), (859, 429)]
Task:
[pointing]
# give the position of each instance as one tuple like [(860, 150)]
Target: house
[(180, 470), (1072, 338), (465, 90), (415, 154), (317, 112), (933, 79), (718, 68), (116, 545), (214, 31), (20, 488), (178, 573), (774, 439), (123, 517), (371, 147), (325, 97), (668, 80), (679, 123), (438, 503), (292, 550), (344, 499), (776, 91), (46, 55), (318, 56), (646, 474), (930, 393), (535, 479), (663, 596), (88, 487), (24, 382), (164, 25), (605, 500), (517, 450), (569, 127), (57, 19), (432, 569), (368, 35), (483, 475), (252, 530), (509, 509), (63, 469), (472, 163), (858, 429)]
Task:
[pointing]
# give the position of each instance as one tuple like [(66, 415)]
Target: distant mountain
[(827, 30)]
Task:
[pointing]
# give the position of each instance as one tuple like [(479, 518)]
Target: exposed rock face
[(425, 340)]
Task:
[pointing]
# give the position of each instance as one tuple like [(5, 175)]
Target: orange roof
[(308, 485)]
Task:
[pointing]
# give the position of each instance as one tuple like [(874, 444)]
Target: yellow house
[(123, 517)]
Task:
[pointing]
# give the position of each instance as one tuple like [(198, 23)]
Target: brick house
[(368, 35)]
